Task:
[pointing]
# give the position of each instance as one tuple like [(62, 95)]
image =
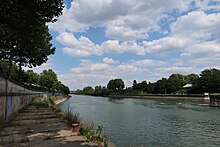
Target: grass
[(43, 102), (94, 134), (91, 133), (71, 117)]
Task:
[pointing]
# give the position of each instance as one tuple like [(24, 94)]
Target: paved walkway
[(40, 127)]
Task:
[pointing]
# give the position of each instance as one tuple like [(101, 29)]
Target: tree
[(64, 89), (161, 86), (98, 90), (24, 35), (88, 90), (191, 78), (32, 77), (175, 82), (47, 79), (116, 85), (209, 81)]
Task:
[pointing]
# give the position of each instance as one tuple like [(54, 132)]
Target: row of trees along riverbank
[(25, 41), (207, 81), (45, 81)]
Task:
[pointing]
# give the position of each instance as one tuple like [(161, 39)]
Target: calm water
[(151, 122)]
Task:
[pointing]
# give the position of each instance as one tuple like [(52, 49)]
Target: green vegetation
[(24, 35), (207, 81), (25, 41), (45, 81), (43, 102), (71, 117), (88, 131), (93, 134)]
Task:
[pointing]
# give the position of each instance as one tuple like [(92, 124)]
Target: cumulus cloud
[(84, 47), (109, 60), (148, 62), (78, 47), (197, 25), (166, 44), (123, 19), (99, 73), (113, 46), (191, 39), (171, 70)]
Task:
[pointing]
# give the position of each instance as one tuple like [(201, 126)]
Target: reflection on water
[(151, 122)]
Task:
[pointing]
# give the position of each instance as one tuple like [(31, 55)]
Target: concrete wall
[(13, 97)]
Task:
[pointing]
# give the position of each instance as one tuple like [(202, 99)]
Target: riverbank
[(164, 96), (59, 99), (39, 124)]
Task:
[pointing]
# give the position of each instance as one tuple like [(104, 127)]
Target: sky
[(100, 40)]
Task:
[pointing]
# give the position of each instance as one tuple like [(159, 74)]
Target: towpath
[(40, 127)]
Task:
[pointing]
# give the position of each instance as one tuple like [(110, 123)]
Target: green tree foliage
[(98, 90), (191, 78), (64, 89), (32, 77), (24, 35), (88, 90), (175, 82), (116, 85), (47, 79), (161, 86), (12, 72), (209, 81)]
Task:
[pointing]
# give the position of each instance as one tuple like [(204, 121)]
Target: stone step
[(36, 121), (37, 128), (21, 117)]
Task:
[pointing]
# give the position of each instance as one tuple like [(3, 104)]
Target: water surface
[(151, 122)]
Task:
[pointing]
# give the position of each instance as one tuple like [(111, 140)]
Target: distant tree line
[(207, 81), (45, 81)]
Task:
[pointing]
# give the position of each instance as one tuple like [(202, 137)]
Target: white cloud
[(148, 62), (93, 73), (84, 47), (191, 42), (197, 25), (172, 70), (109, 60), (78, 47), (113, 46), (123, 19), (166, 44)]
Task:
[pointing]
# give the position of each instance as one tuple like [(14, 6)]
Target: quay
[(40, 127)]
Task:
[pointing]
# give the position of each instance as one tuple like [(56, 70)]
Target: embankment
[(13, 97), (164, 96)]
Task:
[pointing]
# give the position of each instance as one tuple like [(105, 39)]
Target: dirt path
[(40, 127)]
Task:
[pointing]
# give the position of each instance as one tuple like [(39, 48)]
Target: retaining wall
[(13, 97)]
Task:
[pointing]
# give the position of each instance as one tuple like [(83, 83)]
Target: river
[(151, 122)]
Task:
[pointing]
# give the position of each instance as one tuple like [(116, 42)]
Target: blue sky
[(98, 40)]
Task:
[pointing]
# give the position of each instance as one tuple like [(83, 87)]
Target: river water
[(151, 122)]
